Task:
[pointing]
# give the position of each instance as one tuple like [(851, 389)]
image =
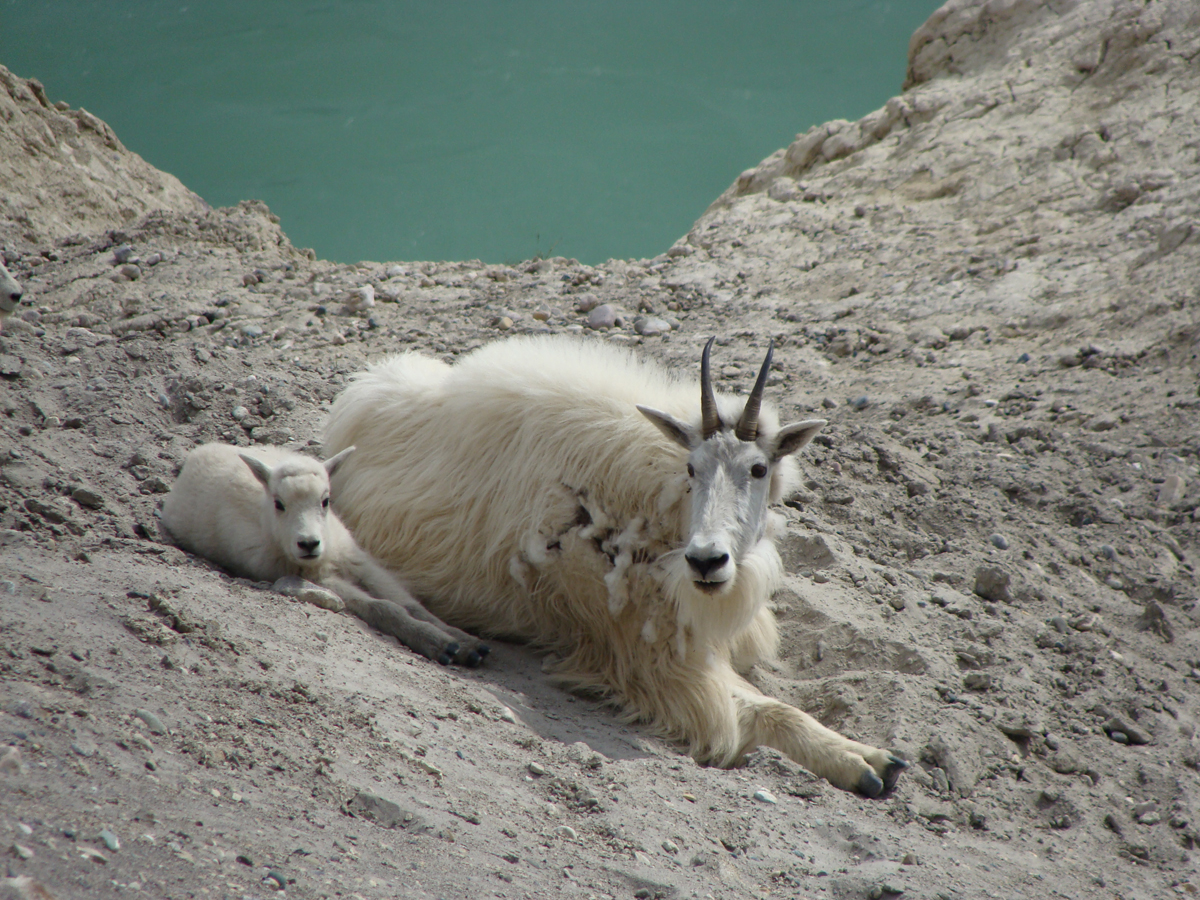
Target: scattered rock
[(384, 812), (651, 326), (1125, 732), (992, 583), (153, 724), (602, 317)]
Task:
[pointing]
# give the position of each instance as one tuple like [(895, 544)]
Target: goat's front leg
[(845, 763), (378, 581), (391, 618)]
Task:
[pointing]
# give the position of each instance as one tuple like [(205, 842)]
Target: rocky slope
[(989, 287)]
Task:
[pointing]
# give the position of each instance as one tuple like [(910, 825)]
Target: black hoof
[(473, 660), (445, 659), (483, 650), (451, 649), (870, 785), (892, 773)]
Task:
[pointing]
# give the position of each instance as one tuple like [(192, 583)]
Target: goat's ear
[(260, 469), (792, 438), (681, 434), (336, 460)]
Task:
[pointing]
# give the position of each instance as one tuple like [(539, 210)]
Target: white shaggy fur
[(523, 494), (264, 514), (10, 293)]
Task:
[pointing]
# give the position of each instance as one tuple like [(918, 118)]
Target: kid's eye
[(691, 471), (279, 504), (758, 470), (325, 503)]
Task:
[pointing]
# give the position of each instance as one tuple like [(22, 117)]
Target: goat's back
[(466, 479)]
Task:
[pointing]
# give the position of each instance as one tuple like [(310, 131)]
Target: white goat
[(266, 516), (10, 293), (522, 494)]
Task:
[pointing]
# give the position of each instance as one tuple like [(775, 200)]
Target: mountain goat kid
[(525, 493), (265, 515), (10, 293)]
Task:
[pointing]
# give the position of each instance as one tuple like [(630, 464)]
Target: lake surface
[(489, 129)]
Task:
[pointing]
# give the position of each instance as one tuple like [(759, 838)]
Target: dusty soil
[(989, 288)]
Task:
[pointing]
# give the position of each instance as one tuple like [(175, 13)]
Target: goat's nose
[(705, 564), (309, 546)]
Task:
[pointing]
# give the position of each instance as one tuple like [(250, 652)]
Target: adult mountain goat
[(526, 492)]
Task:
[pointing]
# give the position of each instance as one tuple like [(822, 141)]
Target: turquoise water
[(382, 129)]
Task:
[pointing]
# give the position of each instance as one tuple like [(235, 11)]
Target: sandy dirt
[(990, 289)]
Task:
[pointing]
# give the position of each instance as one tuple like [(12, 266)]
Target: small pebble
[(275, 880), (10, 761), (566, 831), (1108, 551), (396, 271), (361, 298), (24, 829), (1171, 490), (321, 636), (670, 846), (1114, 582), (111, 841), (503, 322), (122, 254), (651, 326), (860, 402), (1024, 358), (252, 331), (602, 317), (537, 769), (506, 715), (153, 723), (133, 273), (239, 412), (762, 795), (586, 303), (22, 851), (154, 259), (999, 541)]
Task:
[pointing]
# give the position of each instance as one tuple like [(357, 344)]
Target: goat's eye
[(691, 471), (325, 503), (279, 504), (758, 470)]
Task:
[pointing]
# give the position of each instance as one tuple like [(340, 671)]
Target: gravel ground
[(989, 287)]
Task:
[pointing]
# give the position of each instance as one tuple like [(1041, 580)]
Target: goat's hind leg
[(418, 635), (843, 762), (469, 650)]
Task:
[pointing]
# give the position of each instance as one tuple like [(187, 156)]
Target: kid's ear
[(336, 460), (681, 434), (792, 438), (259, 468)]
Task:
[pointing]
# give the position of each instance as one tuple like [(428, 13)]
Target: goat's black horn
[(747, 426), (710, 422)]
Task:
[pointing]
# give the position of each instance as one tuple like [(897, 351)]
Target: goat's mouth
[(709, 587), (309, 556)]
